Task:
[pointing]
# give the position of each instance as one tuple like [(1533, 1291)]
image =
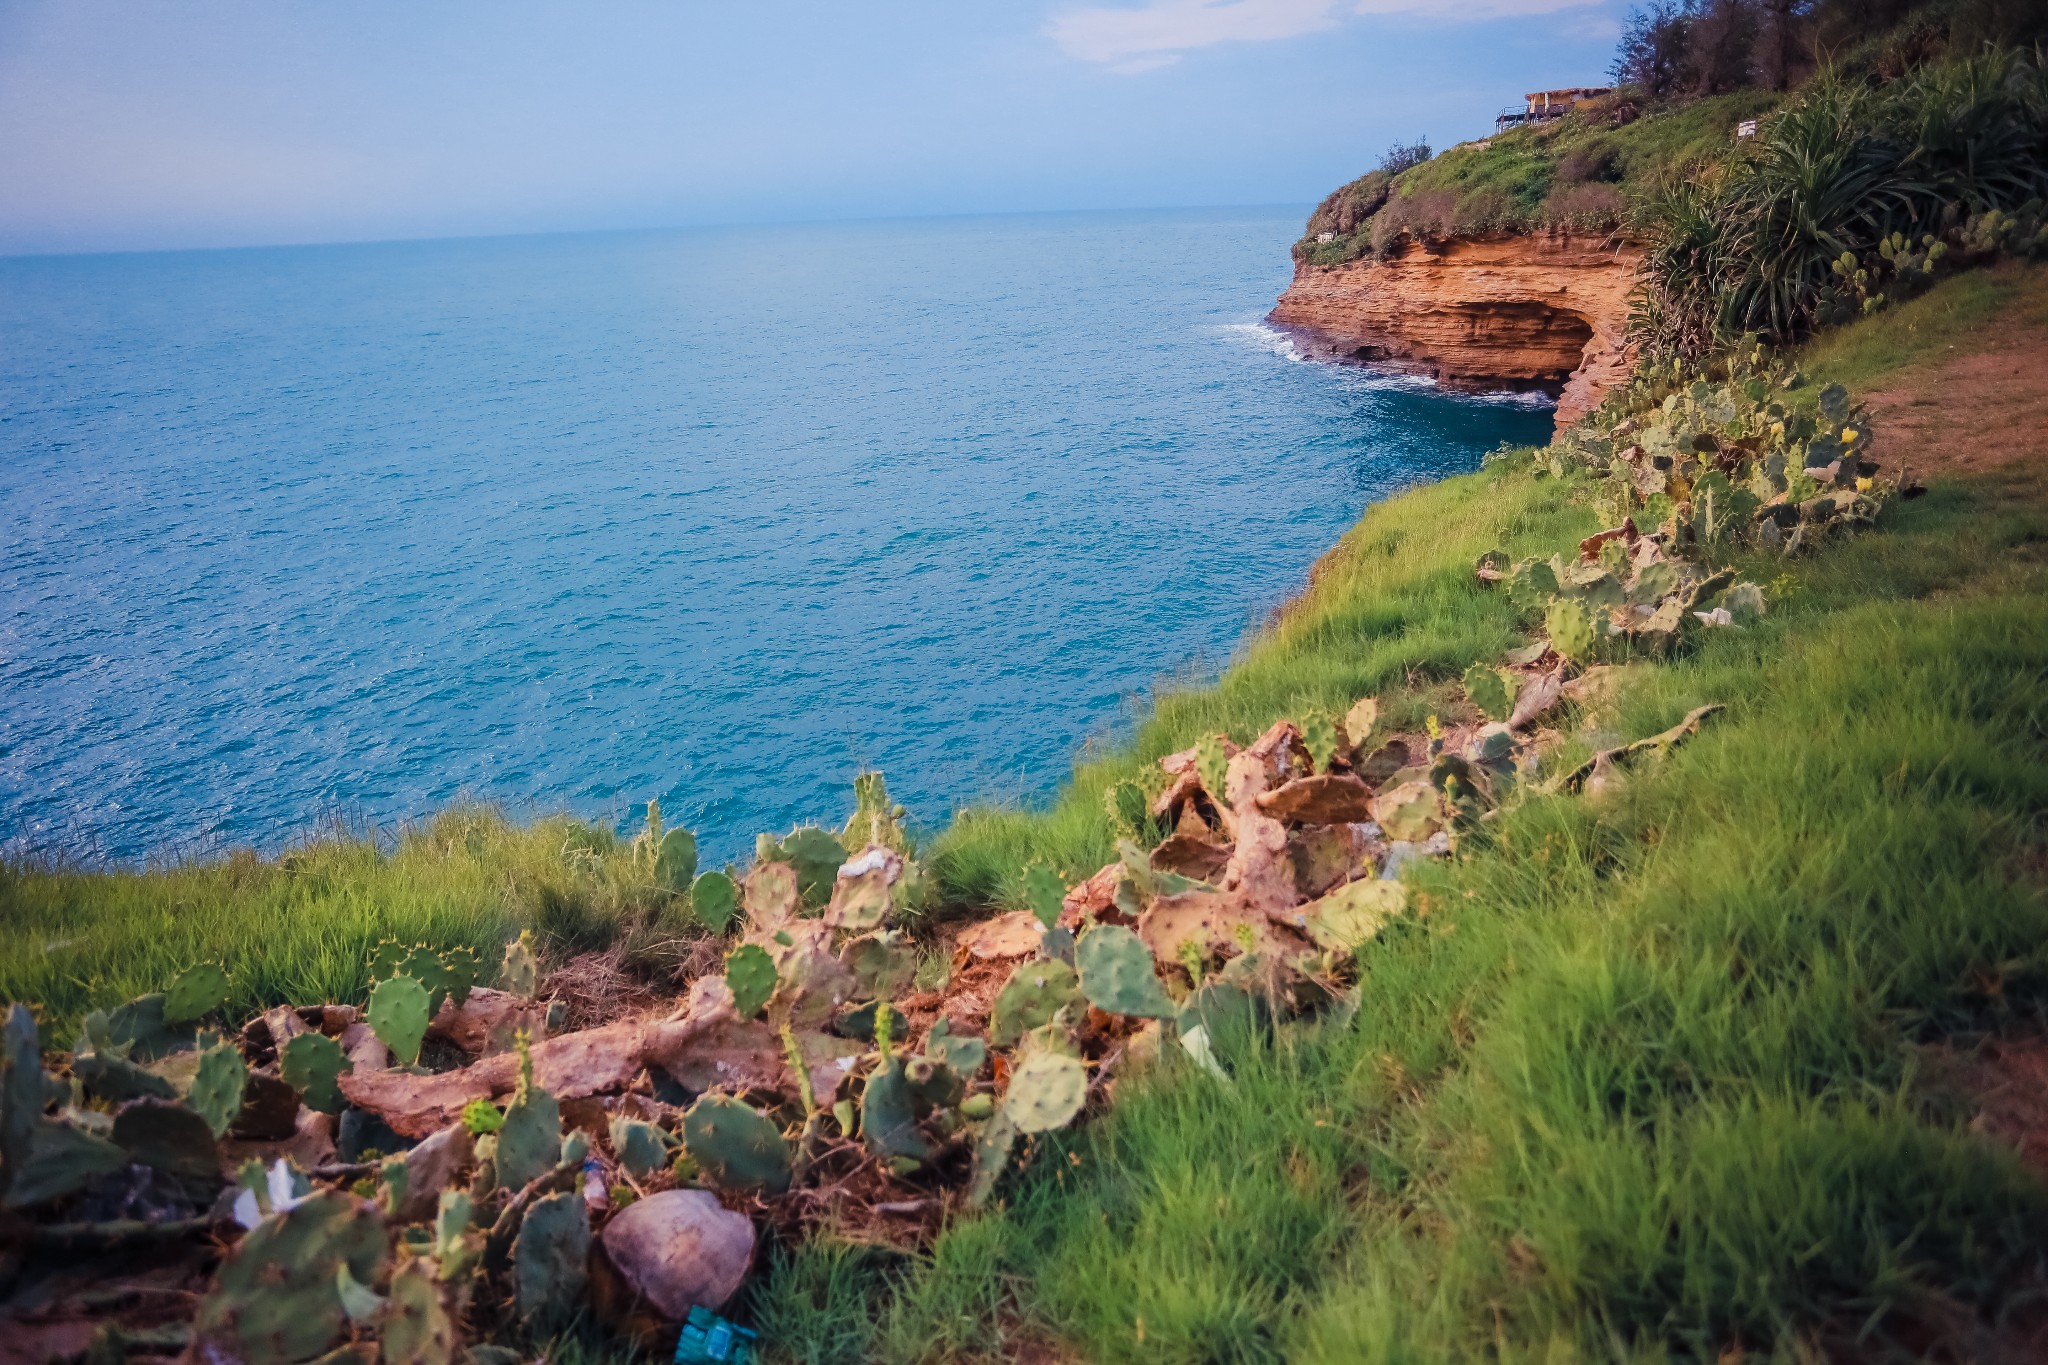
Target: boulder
[(680, 1249)]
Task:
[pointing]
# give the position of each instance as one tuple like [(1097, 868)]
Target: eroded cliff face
[(1539, 311)]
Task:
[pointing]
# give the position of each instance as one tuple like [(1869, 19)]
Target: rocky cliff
[(1544, 310)]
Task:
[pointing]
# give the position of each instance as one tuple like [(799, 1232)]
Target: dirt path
[(1979, 412)]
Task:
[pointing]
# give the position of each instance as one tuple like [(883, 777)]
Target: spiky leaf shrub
[(398, 1014)]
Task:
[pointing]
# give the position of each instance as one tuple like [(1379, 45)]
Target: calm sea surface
[(718, 516)]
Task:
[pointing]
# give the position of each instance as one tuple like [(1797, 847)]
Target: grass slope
[(1642, 1078)]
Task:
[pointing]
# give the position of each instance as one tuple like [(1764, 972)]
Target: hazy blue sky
[(147, 123)]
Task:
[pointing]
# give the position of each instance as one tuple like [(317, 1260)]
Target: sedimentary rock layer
[(1538, 311)]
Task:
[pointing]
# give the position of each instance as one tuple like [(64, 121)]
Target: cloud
[(1157, 32)]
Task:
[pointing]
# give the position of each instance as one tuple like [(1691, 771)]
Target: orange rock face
[(1543, 311)]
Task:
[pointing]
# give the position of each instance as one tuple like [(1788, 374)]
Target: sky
[(150, 124)]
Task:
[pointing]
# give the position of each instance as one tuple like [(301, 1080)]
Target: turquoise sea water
[(718, 516)]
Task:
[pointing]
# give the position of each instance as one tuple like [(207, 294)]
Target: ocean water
[(715, 516)]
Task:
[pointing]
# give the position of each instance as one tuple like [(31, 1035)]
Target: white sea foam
[(1261, 336)]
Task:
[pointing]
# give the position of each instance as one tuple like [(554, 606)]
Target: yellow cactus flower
[(1848, 435), (1863, 485)]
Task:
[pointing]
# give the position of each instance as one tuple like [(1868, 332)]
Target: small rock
[(681, 1249)]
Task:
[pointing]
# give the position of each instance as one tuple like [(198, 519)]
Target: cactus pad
[(1117, 973), (1572, 628), (1410, 812), (1322, 739), (882, 964), (713, 899), (520, 970), (59, 1159), (21, 1090), (1035, 992), (816, 857), (530, 1140), (1489, 690), (771, 895), (1045, 891), (416, 1328), (398, 1015), (1360, 720), (216, 1093), (963, 1056), (199, 990), (277, 1297), (734, 1145), (140, 1027), (460, 970), (1046, 1090), (750, 974), (1212, 765), (675, 861), (992, 1147), (1353, 915), (309, 1064), (1128, 808), (888, 1114), (548, 1260), (385, 958), (641, 1148)]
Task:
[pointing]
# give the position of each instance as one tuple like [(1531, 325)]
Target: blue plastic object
[(708, 1337)]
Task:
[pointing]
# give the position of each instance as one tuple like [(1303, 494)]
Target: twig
[(109, 1235), (1576, 778)]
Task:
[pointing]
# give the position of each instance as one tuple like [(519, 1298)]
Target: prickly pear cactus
[(713, 899), (530, 1139), (199, 990), (1128, 808), (992, 1146), (461, 969), (771, 895), (216, 1093), (882, 964), (675, 861), (424, 965), (963, 1056), (140, 1027), (548, 1260), (734, 1145), (888, 1114), (1488, 689), (1412, 811), (1045, 891), (1047, 1089), (415, 1326), (750, 974), (1117, 973), (1571, 626), (1035, 992), (1360, 720), (1320, 736), (1212, 765), (61, 1159), (386, 957), (520, 970), (277, 1299), (641, 1148), (817, 857), (310, 1064), (398, 1015)]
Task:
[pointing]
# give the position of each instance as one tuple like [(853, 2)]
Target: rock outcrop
[(1542, 311)]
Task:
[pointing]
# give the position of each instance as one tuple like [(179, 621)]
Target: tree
[(1654, 44)]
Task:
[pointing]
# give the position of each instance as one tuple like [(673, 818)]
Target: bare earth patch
[(1983, 410)]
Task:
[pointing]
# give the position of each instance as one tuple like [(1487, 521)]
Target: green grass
[(1642, 1081), (1505, 182), (300, 928)]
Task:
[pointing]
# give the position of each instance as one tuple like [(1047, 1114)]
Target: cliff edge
[(1544, 310)]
